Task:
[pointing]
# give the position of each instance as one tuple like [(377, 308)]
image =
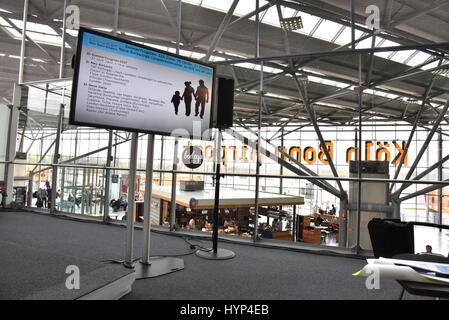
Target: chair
[(390, 237)]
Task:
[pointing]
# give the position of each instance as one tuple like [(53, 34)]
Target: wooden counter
[(229, 198), (312, 236), (282, 235)]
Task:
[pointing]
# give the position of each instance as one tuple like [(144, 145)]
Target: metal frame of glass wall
[(255, 132)]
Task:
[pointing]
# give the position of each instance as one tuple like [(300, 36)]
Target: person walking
[(44, 198), (39, 196), (4, 196)]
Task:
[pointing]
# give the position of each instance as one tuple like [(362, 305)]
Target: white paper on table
[(387, 270)]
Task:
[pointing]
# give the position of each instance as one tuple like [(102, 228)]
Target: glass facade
[(305, 100)]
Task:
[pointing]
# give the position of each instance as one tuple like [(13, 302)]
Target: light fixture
[(290, 24), (444, 72)]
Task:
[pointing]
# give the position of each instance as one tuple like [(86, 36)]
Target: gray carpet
[(255, 273)]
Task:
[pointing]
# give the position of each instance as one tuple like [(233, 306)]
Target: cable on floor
[(193, 247)]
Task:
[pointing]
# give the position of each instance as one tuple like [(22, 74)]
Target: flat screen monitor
[(119, 84)]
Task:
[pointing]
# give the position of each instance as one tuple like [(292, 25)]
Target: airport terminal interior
[(321, 142)]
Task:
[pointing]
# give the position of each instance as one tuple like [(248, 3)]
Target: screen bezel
[(72, 120)]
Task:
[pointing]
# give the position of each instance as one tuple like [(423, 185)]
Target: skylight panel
[(245, 65), (431, 65), (4, 23), (134, 35), (327, 30), (163, 48), (364, 44), (214, 58), (289, 12), (103, 29), (72, 32), (245, 7), (222, 5), (271, 17), (194, 2), (386, 43), (37, 32), (401, 56), (419, 58), (197, 55), (346, 36), (36, 27)]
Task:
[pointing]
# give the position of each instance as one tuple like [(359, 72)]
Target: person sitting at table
[(277, 225), (318, 220), (192, 224), (266, 232), (430, 253), (227, 223), (115, 204)]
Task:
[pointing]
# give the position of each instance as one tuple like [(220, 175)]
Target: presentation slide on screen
[(123, 85)]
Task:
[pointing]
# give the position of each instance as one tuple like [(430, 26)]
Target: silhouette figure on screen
[(187, 96), (201, 97), (176, 99)]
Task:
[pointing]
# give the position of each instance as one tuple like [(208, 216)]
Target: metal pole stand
[(214, 253), (150, 267), (158, 266)]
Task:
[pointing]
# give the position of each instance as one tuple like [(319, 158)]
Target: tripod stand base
[(222, 254), (158, 267)]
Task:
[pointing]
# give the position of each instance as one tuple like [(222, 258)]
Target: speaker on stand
[(225, 103), (223, 119)]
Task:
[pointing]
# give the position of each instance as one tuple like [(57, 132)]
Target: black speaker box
[(225, 103)]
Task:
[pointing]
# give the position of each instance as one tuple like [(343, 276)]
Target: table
[(425, 289), (421, 288)]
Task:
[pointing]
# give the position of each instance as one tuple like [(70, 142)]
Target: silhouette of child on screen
[(176, 99)]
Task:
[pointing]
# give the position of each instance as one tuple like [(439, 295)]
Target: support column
[(353, 24), (294, 226), (440, 178), (150, 267), (23, 44), (343, 225), (107, 185), (175, 155), (130, 216), (12, 141), (396, 208), (56, 156), (161, 165), (359, 169), (147, 205), (256, 209), (62, 55), (178, 26), (173, 188), (281, 181)]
